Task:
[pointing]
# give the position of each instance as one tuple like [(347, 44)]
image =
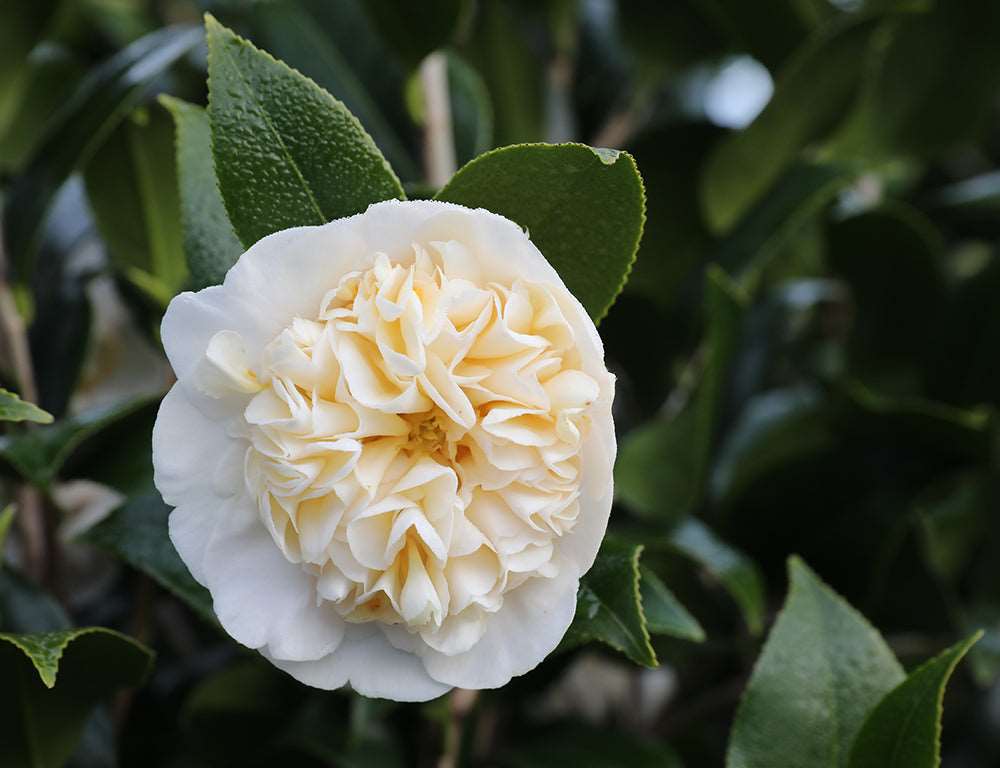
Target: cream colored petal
[(371, 666)]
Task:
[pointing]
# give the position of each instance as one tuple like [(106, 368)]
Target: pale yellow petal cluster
[(415, 444)]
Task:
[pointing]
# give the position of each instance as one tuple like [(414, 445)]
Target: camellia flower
[(390, 449)]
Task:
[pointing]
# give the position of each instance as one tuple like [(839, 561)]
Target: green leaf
[(137, 533), (471, 110), (811, 94), (662, 466), (53, 72), (103, 98), (768, 228), (335, 43), (52, 683), (38, 455), (774, 429), (13, 408), (891, 245), (609, 604), (210, 245), (24, 608), (583, 207), (132, 189), (736, 572), (664, 613), (514, 72), (573, 745), (286, 152), (413, 30), (768, 29), (675, 239), (6, 518), (822, 670), (904, 730), (910, 103), (21, 27)]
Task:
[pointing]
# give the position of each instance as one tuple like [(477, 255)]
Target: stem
[(439, 143), (461, 702), (14, 344)]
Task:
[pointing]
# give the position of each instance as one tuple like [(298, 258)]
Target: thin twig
[(461, 702), (439, 143), (31, 510)]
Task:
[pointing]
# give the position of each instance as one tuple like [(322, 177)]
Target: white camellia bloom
[(390, 449)]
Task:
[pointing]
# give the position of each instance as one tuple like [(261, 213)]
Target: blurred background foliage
[(807, 349)]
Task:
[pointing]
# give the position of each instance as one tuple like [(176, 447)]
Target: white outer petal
[(372, 666), (528, 627), (262, 599)]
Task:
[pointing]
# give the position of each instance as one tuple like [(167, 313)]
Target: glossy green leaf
[(55, 680), (137, 533), (210, 245), (13, 408), (736, 572), (904, 730), (584, 208), (334, 43), (609, 604), (38, 455), (811, 95), (101, 101), (665, 615), (662, 466), (822, 670), (286, 152), (132, 189)]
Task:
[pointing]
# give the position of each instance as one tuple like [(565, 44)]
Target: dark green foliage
[(801, 308)]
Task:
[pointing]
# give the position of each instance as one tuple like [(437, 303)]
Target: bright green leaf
[(137, 533), (736, 572), (103, 98), (904, 730), (210, 245), (52, 683), (584, 208), (609, 604), (822, 670), (662, 466), (13, 408), (665, 615), (286, 152)]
